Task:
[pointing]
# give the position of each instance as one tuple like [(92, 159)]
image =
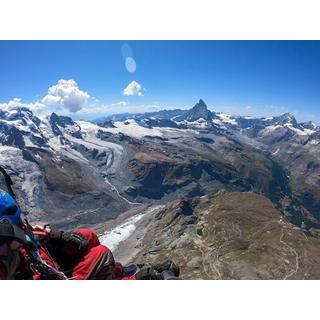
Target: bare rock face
[(200, 110), (231, 236), (177, 215), (60, 123), (10, 136), (204, 167)]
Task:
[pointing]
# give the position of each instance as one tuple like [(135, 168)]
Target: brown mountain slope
[(230, 236)]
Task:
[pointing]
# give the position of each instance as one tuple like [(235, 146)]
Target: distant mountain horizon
[(191, 176), (121, 115)]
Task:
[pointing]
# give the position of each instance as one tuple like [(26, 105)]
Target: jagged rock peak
[(285, 119), (200, 110), (60, 120)]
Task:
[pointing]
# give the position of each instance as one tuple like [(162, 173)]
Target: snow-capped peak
[(286, 118), (225, 118)]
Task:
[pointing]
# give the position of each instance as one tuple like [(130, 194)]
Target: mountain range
[(79, 173)]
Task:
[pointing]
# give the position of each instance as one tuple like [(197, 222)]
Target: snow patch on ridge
[(300, 132), (112, 238), (225, 118), (132, 129), (120, 233)]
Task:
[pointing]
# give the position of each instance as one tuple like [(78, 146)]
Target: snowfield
[(300, 132), (200, 123), (112, 238), (225, 118), (122, 232), (130, 128), (28, 171)]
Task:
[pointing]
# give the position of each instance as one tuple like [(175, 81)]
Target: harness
[(32, 245)]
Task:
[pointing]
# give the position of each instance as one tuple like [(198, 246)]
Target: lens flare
[(126, 51), (127, 55), (131, 64)]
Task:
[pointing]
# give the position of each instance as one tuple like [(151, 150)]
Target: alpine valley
[(225, 197)]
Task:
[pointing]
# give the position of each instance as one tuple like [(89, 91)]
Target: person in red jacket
[(42, 252), (78, 254), (60, 255), (74, 255)]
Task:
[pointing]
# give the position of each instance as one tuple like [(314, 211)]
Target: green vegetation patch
[(200, 232)]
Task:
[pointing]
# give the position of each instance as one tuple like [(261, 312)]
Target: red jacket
[(96, 262)]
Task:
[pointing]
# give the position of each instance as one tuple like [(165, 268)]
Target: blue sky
[(259, 78)]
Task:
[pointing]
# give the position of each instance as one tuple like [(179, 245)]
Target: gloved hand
[(72, 241)]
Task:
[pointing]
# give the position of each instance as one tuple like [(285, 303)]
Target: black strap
[(8, 181)]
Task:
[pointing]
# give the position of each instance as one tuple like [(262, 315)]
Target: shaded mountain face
[(79, 173), (199, 111), (66, 124), (229, 236), (308, 125), (19, 127), (11, 136), (285, 119)]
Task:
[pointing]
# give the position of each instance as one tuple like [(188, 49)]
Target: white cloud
[(133, 89), (120, 104), (66, 93), (17, 103)]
